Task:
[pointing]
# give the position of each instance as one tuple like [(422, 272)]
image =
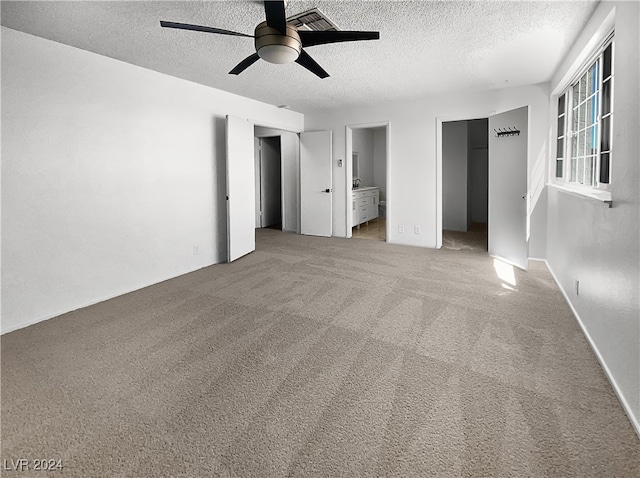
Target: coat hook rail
[(509, 131)]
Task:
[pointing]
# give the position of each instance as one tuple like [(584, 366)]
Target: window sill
[(599, 196)]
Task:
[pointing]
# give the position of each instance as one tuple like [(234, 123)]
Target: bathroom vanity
[(364, 204)]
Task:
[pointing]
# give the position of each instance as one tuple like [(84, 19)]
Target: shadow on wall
[(537, 180), (219, 196), (536, 217)]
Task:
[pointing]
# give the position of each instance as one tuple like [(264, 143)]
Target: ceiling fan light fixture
[(279, 54), (279, 41), (274, 47)]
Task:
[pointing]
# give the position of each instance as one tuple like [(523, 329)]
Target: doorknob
[(327, 190), (524, 197)]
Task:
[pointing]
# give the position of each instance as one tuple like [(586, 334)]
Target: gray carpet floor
[(475, 239), (319, 357)]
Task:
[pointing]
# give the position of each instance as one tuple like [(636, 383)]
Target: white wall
[(111, 174), (363, 145), (454, 175), (600, 246), (412, 180), (380, 161)]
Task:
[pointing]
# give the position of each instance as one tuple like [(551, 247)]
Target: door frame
[(438, 190), (349, 171)]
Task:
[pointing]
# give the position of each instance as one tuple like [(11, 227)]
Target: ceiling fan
[(278, 41)]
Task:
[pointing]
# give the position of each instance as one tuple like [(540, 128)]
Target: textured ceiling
[(425, 47)]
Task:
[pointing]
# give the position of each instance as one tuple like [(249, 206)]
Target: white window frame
[(565, 155)]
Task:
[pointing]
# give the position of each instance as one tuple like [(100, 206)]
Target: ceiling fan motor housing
[(274, 47)]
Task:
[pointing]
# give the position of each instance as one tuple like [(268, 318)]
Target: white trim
[(632, 418), (597, 195)]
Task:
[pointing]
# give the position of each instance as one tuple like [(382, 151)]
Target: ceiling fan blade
[(275, 15), (199, 28), (244, 64), (310, 64), (311, 38)]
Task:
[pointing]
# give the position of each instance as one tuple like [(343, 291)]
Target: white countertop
[(364, 188)]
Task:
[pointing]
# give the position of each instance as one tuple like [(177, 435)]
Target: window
[(585, 115)]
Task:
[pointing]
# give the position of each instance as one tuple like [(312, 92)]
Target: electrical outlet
[(416, 230), (196, 249), (401, 229), (577, 287)]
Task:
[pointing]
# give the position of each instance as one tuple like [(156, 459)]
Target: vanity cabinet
[(364, 205)]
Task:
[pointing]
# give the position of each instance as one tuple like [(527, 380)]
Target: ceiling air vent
[(312, 19)]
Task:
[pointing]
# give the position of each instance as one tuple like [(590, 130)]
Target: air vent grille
[(312, 19)]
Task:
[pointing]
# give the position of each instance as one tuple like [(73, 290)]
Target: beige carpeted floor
[(319, 357), (475, 239)]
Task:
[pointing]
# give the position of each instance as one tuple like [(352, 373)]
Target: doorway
[(268, 180), (367, 186), (287, 159), (508, 198), (242, 142), (465, 181)]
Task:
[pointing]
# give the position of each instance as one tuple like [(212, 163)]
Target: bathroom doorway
[(366, 176)]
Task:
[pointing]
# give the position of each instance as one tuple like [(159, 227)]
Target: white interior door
[(316, 183), (508, 187), (241, 234)]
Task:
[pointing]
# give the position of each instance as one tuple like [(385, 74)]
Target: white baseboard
[(625, 405)]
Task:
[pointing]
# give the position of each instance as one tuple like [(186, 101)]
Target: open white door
[(508, 187), (241, 234), (316, 182)]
